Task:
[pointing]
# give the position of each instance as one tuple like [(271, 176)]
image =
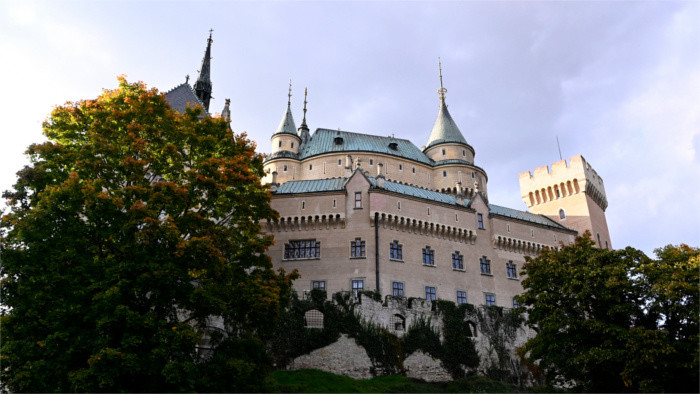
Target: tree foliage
[(133, 226), (615, 320)]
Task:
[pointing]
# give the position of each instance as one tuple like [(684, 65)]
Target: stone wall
[(346, 357)]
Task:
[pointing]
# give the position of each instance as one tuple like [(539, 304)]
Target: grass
[(315, 381)]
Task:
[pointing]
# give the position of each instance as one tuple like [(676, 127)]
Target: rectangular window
[(516, 304), (485, 266), (395, 251), (292, 145), (319, 284), (358, 199), (398, 205), (461, 297), (400, 167), (457, 261), (443, 152), (334, 204), (397, 289), (510, 270), (430, 293), (311, 167), (302, 249), (340, 162), (303, 205), (371, 162), (357, 248), (444, 174), (480, 220), (280, 144), (490, 299), (357, 286), (428, 256), (414, 170), (285, 168), (508, 230)]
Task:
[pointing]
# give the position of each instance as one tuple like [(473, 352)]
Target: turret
[(304, 129), (572, 195), (286, 137), (203, 85), (446, 141), (453, 156)]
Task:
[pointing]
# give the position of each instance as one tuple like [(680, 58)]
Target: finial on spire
[(442, 90), (187, 78), (289, 95), (303, 121)]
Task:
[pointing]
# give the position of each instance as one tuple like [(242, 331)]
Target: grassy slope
[(315, 381)]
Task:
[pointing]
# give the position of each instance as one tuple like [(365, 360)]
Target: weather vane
[(289, 95), (442, 90)]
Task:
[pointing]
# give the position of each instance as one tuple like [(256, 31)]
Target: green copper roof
[(445, 129), (311, 186), (287, 125), (335, 141), (526, 216), (417, 192)]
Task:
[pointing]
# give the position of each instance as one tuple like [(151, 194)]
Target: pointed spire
[(445, 129), (226, 113), (203, 85), (304, 129), (442, 90), (287, 125)]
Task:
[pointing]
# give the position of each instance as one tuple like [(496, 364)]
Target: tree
[(133, 228), (614, 320)]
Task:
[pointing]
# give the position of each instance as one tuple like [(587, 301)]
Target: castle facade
[(366, 212)]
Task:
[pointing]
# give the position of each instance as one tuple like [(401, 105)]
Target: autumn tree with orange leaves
[(132, 228)]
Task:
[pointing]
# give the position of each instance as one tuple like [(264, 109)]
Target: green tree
[(133, 226), (614, 321)]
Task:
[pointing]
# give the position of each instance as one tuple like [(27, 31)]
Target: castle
[(366, 212)]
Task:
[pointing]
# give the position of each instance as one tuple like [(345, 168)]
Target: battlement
[(562, 169), (561, 179)]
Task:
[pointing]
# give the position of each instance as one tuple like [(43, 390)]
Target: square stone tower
[(572, 194)]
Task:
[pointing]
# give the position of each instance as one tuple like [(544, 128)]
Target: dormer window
[(338, 140), (393, 145)]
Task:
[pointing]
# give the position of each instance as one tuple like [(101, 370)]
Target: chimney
[(380, 180), (459, 197)]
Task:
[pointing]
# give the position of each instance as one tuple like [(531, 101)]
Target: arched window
[(314, 318), (398, 323), (562, 214)]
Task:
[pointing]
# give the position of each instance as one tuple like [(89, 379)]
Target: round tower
[(284, 156), (453, 156)]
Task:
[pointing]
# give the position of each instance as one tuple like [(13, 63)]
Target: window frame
[(304, 249), (358, 248), (480, 221), (428, 256), (395, 251), (431, 293), (485, 266), (511, 270), (397, 289), (489, 299), (318, 284), (457, 261), (358, 200), (461, 297), (357, 289)]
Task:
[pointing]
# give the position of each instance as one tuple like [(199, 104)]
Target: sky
[(617, 82)]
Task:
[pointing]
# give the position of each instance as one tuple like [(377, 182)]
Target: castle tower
[(203, 85), (448, 148), (286, 137), (572, 195)]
